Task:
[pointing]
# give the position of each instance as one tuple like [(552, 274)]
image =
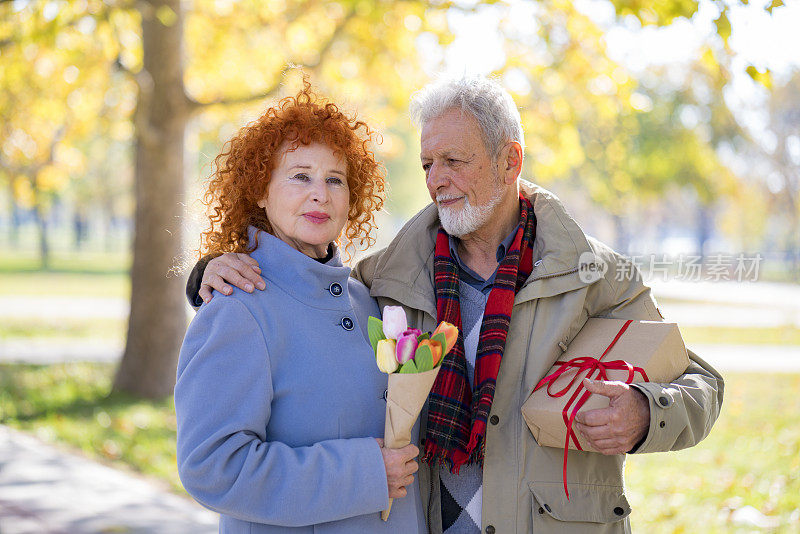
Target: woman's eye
[(301, 176), (335, 180)]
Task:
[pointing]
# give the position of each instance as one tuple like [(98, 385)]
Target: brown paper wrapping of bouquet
[(404, 401)]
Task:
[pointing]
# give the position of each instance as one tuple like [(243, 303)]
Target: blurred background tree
[(782, 149), (114, 108)]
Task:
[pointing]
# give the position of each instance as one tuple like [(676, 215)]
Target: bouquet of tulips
[(412, 359)]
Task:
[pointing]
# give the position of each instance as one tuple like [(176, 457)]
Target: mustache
[(444, 197)]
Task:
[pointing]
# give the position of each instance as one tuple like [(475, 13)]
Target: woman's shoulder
[(225, 327), (240, 306)]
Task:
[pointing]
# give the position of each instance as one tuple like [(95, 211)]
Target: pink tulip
[(416, 331), (407, 345), (394, 321)]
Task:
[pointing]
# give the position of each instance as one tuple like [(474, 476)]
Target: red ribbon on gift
[(579, 365)]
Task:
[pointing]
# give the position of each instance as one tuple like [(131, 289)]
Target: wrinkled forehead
[(294, 148), (295, 153), (454, 129)]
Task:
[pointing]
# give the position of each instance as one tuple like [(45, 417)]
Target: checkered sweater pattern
[(462, 494)]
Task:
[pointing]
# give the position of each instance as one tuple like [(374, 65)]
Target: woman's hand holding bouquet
[(412, 359)]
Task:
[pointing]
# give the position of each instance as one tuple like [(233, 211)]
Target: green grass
[(75, 262), (64, 284), (70, 404), (94, 328), (779, 335), (90, 274), (752, 456)]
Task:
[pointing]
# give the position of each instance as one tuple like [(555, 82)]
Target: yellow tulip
[(385, 356)]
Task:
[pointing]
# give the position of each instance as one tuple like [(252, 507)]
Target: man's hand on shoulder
[(231, 268), (621, 426)]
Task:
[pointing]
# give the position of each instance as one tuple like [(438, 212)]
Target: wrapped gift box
[(654, 346)]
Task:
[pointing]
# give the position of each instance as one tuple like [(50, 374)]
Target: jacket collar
[(405, 270), (304, 278)]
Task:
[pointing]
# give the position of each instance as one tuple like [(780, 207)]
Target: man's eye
[(451, 161), (301, 176), (426, 167)]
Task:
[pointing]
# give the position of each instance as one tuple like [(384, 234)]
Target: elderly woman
[(278, 397)]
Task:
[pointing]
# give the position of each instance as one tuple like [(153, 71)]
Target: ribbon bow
[(579, 365)]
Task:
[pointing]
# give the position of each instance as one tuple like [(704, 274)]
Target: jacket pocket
[(606, 506)]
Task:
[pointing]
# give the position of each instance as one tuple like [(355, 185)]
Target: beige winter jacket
[(522, 486)]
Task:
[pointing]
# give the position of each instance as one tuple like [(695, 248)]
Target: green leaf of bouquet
[(408, 368), (375, 332), (441, 339), (423, 359), (425, 335)]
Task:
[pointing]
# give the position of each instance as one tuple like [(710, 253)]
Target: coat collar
[(405, 270), (304, 278)]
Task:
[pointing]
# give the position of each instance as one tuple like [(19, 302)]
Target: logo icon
[(590, 267)]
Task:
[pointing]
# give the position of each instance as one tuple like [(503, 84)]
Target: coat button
[(347, 323), (663, 401), (494, 419), (618, 510), (662, 424), (490, 529), (541, 510), (335, 289)]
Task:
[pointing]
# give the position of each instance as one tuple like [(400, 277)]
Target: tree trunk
[(703, 229), (158, 312), (110, 222), (44, 244), (80, 227), (14, 220), (793, 241)]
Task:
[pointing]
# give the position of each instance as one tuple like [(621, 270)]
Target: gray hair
[(484, 99)]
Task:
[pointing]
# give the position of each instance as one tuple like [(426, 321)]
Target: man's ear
[(511, 162)]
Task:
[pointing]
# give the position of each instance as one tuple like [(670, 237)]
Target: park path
[(46, 490)]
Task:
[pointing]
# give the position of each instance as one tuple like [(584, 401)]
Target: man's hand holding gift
[(618, 428), (587, 396)]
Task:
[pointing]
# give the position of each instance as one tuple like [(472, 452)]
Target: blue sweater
[(278, 400)]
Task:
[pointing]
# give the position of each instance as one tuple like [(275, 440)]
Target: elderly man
[(500, 257)]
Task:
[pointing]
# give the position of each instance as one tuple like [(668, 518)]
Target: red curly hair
[(241, 172)]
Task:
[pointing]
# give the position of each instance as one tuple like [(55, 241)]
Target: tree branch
[(194, 105)]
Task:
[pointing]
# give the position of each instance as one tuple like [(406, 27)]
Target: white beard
[(460, 222)]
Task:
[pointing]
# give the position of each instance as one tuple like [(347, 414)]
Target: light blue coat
[(278, 400)]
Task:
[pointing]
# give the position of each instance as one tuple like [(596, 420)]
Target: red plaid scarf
[(457, 413)]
